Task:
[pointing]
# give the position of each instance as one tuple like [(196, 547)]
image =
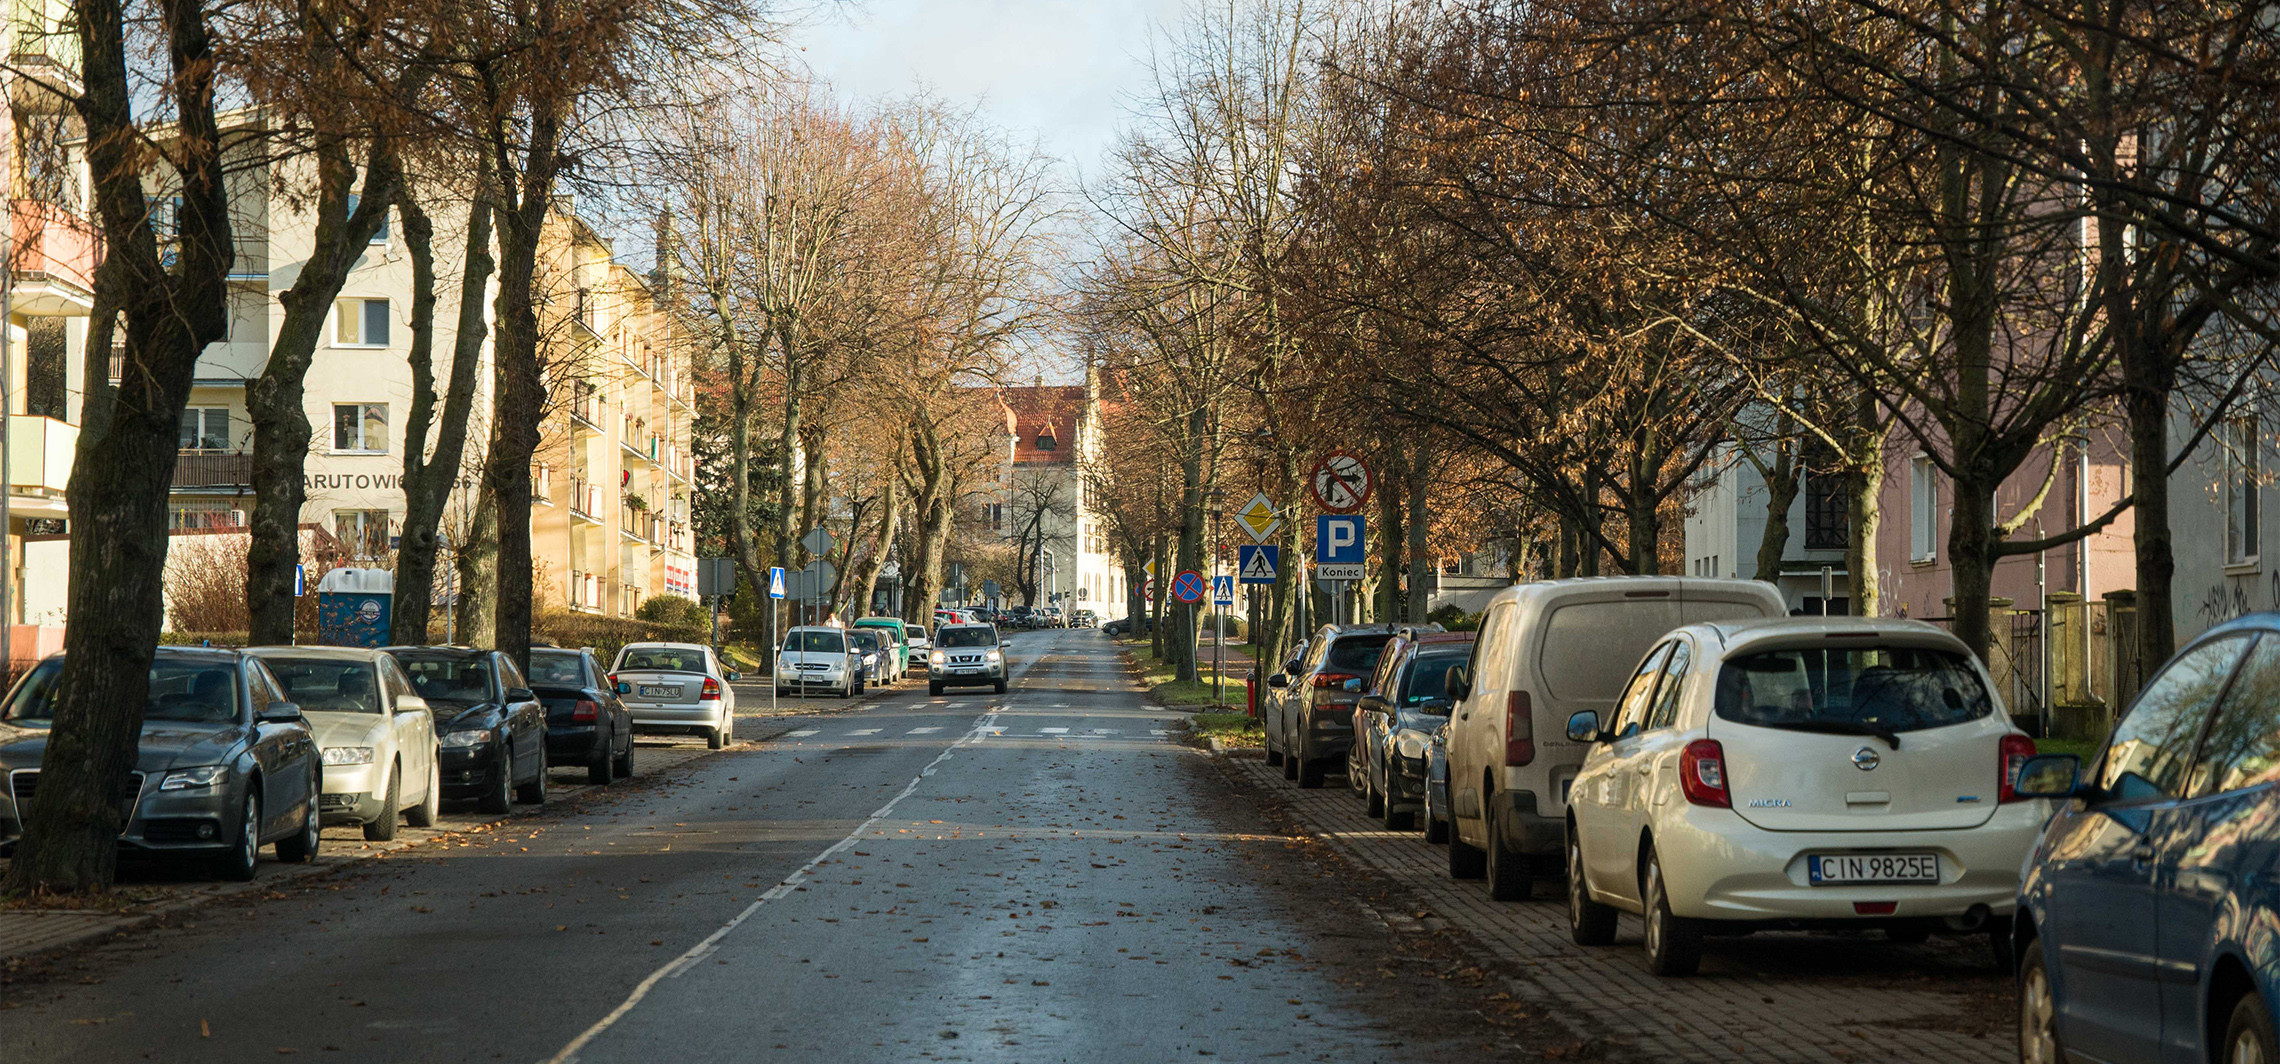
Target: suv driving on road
[(966, 655)]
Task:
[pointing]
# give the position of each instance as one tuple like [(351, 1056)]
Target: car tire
[(1406, 820), (423, 815), (716, 738), (2249, 1037), (603, 769), (1466, 861), (301, 847), (1274, 755), (1290, 765), (1436, 830), (1373, 800), (237, 865), (624, 762), (1507, 871), (934, 688), (382, 828), (1674, 943), (1590, 923), (2038, 1014), (534, 792), (501, 798), (1001, 686)]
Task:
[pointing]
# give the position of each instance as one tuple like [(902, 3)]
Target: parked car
[(677, 689), (2146, 917), (1050, 617), (1311, 724), (1800, 772), (1084, 619), (1129, 626), (1020, 617), (1437, 782), (897, 637), (1545, 652), (817, 656), (1403, 704), (919, 646), (490, 728), (587, 724), (376, 734), (871, 649), (966, 655), (225, 762)]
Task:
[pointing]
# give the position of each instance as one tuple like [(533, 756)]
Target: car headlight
[(473, 737), (996, 657), (937, 657), (1411, 743), (195, 778), (348, 755)]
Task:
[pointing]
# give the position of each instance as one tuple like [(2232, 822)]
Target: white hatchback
[(1798, 773)]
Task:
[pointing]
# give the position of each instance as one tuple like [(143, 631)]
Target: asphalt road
[(1037, 876)]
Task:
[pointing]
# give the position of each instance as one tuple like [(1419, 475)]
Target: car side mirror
[(624, 688), (1435, 706), (1583, 727), (280, 713), (735, 676), (1458, 683), (411, 704), (1278, 680), (1371, 704), (2050, 776), (521, 694), (1354, 684)]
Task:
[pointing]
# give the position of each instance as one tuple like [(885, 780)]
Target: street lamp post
[(1214, 501)]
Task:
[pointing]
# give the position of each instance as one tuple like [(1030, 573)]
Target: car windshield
[(867, 642), (557, 668), (816, 641), (464, 679), (1357, 653), (885, 632), (194, 691), (1429, 678), (917, 633), (327, 685), (662, 659), (974, 636), (1858, 690)]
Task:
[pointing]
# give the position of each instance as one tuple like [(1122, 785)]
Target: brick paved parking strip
[(1729, 1013)]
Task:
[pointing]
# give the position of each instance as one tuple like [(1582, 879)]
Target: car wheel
[(1373, 799), (1590, 923), (2249, 1038), (1001, 685), (382, 828), (1274, 754), (716, 738), (1392, 821), (1290, 765), (534, 792), (1507, 871), (1466, 861), (1436, 830), (237, 865), (934, 689), (624, 762), (500, 798), (423, 815), (2038, 1014), (604, 767), (301, 848), (1674, 943)]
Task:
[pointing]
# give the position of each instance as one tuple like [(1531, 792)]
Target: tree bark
[(478, 563), (428, 481), (519, 370), (1420, 516), (1781, 485), (890, 511), (1393, 538), (1971, 557)]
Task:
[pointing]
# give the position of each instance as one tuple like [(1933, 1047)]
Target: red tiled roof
[(1042, 413)]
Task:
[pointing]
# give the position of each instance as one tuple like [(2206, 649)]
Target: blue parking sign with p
[(1338, 539)]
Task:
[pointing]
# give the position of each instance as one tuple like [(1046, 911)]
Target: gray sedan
[(225, 763)]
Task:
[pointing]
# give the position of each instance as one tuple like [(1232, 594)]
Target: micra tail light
[(585, 711), (1519, 730), (2014, 752), (1702, 774), (711, 692), (1333, 679)]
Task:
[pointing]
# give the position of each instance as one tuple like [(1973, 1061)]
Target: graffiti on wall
[(2228, 599)]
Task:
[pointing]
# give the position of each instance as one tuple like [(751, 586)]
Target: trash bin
[(1251, 693), (355, 607)]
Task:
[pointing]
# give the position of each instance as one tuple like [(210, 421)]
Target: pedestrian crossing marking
[(865, 731), (924, 731), (1052, 731), (802, 733)]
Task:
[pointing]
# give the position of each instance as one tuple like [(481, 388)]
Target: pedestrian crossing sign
[(1256, 564), (775, 581), (1223, 591)]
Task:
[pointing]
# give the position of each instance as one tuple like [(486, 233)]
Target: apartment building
[(1052, 435)]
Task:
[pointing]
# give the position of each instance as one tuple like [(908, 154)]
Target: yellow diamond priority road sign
[(1258, 517)]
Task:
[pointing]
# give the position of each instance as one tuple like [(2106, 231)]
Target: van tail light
[(2015, 750), (585, 711), (1519, 730), (1702, 774), (1333, 679), (711, 692)]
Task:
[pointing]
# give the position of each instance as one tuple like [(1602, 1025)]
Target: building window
[(363, 532), (1827, 522), (1923, 510), (360, 323), (994, 513), (206, 428), (199, 515), (380, 235), (360, 428), (2242, 470)]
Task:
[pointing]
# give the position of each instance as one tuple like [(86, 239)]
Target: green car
[(898, 642)]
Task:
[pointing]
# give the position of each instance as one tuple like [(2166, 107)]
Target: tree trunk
[(1971, 562), (477, 619), (428, 481), (1865, 481), (1393, 538), (1157, 635), (812, 496), (2148, 377), (1781, 487), (787, 493), (1420, 560), (890, 510), (275, 403)]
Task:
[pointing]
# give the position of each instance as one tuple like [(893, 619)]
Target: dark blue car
[(2149, 915)]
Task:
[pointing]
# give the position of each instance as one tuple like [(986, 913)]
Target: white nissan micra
[(1798, 773)]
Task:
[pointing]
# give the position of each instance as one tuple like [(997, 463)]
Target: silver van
[(1547, 651)]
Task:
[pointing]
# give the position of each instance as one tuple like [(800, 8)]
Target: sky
[(1058, 70)]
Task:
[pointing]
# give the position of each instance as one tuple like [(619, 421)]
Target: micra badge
[(1769, 803)]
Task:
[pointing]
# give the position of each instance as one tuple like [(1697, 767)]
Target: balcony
[(213, 471), (585, 501), (56, 256), (39, 465)]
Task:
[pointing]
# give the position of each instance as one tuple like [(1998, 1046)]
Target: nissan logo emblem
[(1866, 760)]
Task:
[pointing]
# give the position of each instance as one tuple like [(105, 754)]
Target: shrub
[(570, 628), (1456, 620), (672, 609)]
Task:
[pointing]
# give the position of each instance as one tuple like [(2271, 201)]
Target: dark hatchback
[(1309, 721), (1405, 703), (225, 762), (490, 730), (586, 725), (2148, 924)]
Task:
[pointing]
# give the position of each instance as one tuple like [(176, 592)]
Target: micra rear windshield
[(1852, 690)]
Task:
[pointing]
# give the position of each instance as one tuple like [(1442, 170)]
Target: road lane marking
[(864, 731), (789, 883), (1052, 731), (1106, 731), (924, 731), (800, 734)]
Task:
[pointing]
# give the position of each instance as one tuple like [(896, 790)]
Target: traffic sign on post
[(1338, 542), (818, 541), (1188, 586), (1258, 518), (775, 581), (716, 577), (1257, 564), (1223, 591), (1341, 482)]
